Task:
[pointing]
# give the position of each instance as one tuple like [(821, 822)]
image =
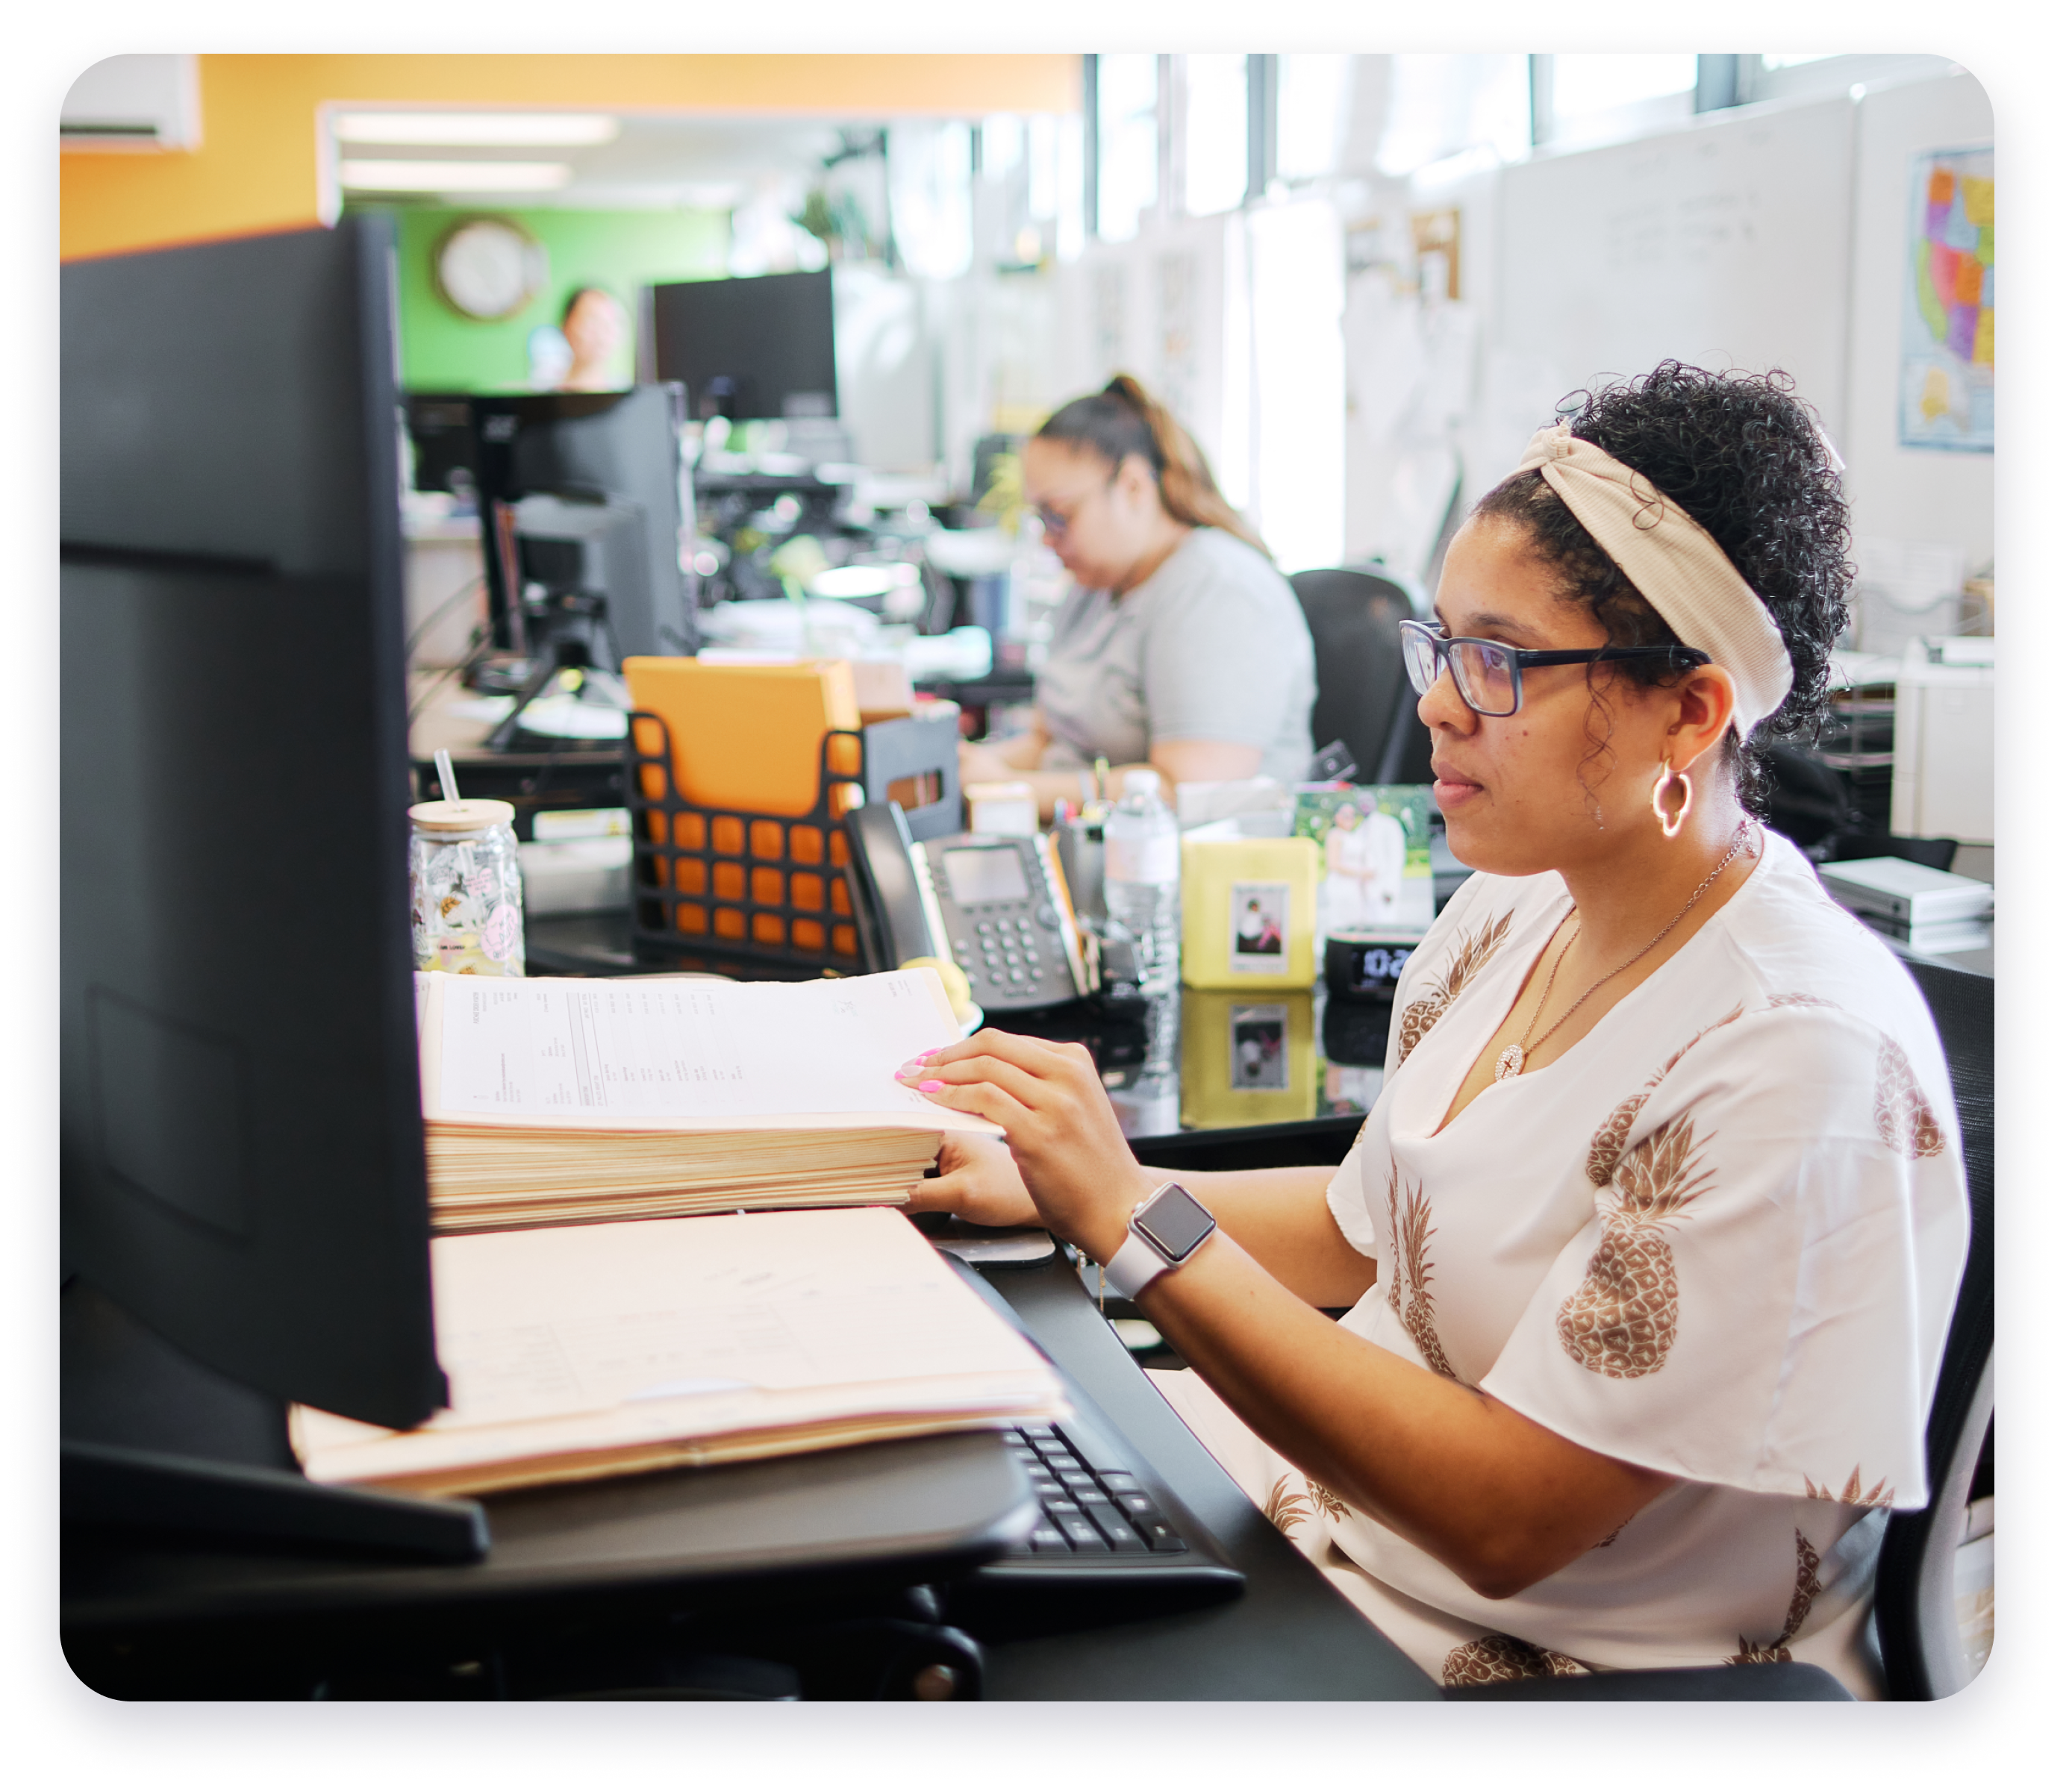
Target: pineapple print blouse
[(1720, 1238)]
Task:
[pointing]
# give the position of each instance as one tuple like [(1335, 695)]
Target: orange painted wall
[(257, 168)]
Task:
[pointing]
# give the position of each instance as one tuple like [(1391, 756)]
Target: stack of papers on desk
[(620, 1349), (554, 1101)]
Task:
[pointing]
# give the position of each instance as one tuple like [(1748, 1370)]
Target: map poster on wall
[(1946, 344)]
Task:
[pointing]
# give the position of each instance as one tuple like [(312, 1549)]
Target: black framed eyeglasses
[(1487, 673)]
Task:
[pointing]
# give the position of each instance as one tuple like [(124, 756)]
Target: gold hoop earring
[(1671, 824)]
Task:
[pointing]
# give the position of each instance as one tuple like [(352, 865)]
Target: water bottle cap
[(1142, 781)]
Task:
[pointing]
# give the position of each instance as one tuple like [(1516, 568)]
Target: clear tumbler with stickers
[(467, 914)]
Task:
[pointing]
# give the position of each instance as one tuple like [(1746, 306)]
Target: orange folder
[(749, 736)]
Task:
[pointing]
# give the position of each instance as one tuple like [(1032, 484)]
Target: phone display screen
[(985, 873)]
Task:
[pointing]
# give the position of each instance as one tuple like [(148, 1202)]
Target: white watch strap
[(1135, 1266)]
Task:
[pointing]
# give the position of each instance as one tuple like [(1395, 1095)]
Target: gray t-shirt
[(1212, 646)]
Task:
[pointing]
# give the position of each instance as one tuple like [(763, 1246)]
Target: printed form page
[(569, 1048)]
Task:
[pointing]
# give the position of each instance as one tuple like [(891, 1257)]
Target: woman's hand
[(976, 1180), (1073, 1158)]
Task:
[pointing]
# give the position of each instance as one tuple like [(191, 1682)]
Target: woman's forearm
[(1500, 1500)]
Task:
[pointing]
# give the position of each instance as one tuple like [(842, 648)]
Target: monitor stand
[(153, 1440)]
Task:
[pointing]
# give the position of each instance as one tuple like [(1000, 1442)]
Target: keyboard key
[(1138, 1505), (1080, 1531), (1050, 1445), (1162, 1537), (1121, 1537), (1078, 1481), (1057, 1501), (1047, 1539), (1119, 1483)]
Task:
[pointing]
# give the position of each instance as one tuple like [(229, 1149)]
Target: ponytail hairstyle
[(1122, 419)]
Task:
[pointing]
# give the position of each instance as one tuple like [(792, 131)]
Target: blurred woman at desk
[(1652, 1240), (1179, 647)]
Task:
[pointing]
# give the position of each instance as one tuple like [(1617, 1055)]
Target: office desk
[(575, 1571)]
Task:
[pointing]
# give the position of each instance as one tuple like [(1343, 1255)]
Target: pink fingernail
[(928, 1057), (931, 1088)]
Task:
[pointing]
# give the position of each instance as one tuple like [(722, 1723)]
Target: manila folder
[(579, 1352)]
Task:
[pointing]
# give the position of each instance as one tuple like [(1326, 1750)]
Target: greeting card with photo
[(1377, 856)]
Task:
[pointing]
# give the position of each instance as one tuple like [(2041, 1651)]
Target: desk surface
[(742, 1537)]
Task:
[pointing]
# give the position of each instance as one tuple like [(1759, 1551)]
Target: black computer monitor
[(243, 1174), (587, 496), (760, 348), (441, 425)]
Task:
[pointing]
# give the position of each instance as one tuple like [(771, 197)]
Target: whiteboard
[(1727, 244)]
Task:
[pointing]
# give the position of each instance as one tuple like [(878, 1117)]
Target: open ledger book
[(604, 1350), (551, 1101)]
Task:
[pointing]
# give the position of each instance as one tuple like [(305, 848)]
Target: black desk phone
[(994, 904)]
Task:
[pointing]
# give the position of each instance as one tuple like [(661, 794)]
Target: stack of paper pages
[(616, 1349), (553, 1101)]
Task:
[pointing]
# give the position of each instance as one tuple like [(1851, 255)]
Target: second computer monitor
[(611, 465), (749, 348)]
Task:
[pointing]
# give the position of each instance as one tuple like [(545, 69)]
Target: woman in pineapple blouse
[(1652, 1239)]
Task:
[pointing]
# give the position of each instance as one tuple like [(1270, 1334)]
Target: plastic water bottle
[(1141, 863)]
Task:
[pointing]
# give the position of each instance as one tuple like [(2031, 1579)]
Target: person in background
[(594, 323), (1179, 646)]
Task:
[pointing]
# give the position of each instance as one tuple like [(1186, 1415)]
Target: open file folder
[(583, 1352)]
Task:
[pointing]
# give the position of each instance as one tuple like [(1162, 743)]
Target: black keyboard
[(1088, 1511), (1111, 1541)]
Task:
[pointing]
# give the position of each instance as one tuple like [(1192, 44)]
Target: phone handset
[(900, 918)]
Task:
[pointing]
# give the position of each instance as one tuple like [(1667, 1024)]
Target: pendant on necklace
[(1510, 1061)]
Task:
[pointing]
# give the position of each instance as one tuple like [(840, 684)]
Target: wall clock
[(489, 268)]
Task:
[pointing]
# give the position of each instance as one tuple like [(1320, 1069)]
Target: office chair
[(1362, 687), (1914, 1602), (1916, 1605)]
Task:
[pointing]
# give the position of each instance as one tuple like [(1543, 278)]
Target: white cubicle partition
[(1942, 741)]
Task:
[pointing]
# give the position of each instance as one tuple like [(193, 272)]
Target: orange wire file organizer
[(776, 891)]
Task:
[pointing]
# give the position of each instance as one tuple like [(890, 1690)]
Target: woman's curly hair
[(1745, 456)]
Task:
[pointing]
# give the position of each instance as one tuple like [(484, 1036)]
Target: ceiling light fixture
[(478, 129), (453, 177)]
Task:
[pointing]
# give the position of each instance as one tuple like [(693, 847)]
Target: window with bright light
[(1311, 112), (1217, 164), (929, 174), (1443, 106), (1792, 61), (1587, 85), (1071, 187), (1128, 91), (999, 144)]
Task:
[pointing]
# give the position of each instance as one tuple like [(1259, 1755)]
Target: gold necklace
[(1511, 1061)]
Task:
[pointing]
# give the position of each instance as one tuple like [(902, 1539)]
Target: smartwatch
[(1164, 1231)]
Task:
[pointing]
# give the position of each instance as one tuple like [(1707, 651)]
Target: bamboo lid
[(470, 815)]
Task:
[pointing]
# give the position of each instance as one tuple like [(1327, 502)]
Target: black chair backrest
[(1913, 1624), (1363, 689)]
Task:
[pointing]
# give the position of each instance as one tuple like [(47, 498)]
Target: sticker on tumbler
[(500, 937)]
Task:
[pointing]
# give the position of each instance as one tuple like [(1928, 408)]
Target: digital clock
[(1365, 964)]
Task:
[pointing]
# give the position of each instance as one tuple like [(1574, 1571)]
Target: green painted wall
[(620, 251)]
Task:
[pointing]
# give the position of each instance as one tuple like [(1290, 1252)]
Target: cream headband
[(1673, 563)]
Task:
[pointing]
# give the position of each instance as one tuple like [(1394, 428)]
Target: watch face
[(1175, 1221), (489, 268)]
